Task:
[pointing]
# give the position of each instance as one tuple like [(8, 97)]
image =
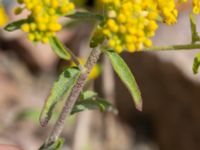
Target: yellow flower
[(43, 19), (3, 16)]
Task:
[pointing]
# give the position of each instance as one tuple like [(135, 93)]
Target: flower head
[(129, 24), (43, 19)]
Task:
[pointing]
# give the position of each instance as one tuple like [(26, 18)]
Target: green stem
[(173, 47)]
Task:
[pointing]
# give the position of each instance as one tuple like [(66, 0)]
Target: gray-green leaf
[(15, 25), (196, 63), (59, 48), (123, 71), (59, 92)]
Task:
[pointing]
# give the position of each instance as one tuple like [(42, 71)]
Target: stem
[(173, 47), (69, 104)]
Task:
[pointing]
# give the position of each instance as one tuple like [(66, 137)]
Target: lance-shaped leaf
[(59, 92), (195, 36), (59, 48), (55, 146), (86, 16), (91, 104), (123, 71), (196, 63), (15, 25)]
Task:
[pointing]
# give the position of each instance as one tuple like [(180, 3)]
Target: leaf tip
[(139, 106), (44, 120)]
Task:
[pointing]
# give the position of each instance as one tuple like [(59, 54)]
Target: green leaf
[(91, 104), (195, 36), (60, 91), (59, 48), (86, 16), (55, 146), (123, 71), (15, 25), (196, 63), (88, 95)]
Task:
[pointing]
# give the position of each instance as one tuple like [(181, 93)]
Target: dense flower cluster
[(43, 19), (130, 24), (3, 16)]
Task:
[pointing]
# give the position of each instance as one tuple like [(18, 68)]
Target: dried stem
[(69, 104)]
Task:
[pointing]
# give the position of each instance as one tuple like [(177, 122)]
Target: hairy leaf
[(196, 63), (123, 71), (59, 92), (59, 48), (15, 25)]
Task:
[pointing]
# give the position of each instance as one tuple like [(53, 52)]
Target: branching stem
[(91, 61)]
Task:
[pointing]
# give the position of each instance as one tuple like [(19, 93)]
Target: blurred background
[(171, 93)]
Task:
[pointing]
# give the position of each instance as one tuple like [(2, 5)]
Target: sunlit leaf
[(59, 48), (123, 71), (59, 92), (55, 146)]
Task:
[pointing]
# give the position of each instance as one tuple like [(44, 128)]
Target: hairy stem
[(69, 104)]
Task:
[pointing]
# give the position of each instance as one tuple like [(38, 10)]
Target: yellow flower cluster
[(43, 19), (130, 23), (196, 8), (3, 16)]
